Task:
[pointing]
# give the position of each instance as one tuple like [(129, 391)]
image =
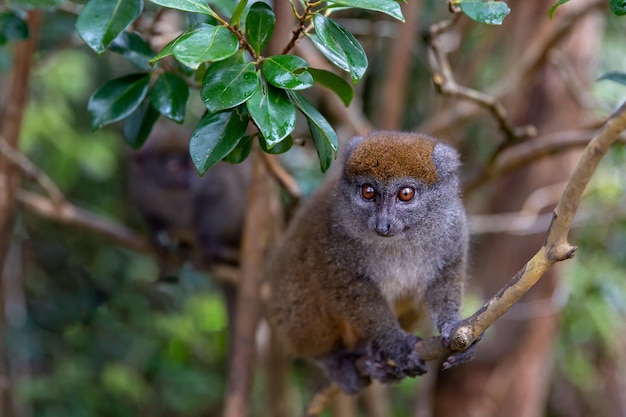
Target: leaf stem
[(302, 26)]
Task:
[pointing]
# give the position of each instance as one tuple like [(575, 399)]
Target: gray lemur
[(182, 208), (383, 239)]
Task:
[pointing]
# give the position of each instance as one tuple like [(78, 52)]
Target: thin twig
[(30, 170), (516, 77), (67, 213), (301, 28), (282, 176), (321, 399), (525, 153), (444, 81)]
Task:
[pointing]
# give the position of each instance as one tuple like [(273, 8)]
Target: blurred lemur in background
[(182, 209)]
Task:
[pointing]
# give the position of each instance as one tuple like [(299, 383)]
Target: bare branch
[(10, 128), (556, 248), (31, 171), (516, 77), (444, 81), (282, 176), (258, 223), (59, 209), (321, 399), (300, 29), (67, 213), (527, 152), (402, 50)]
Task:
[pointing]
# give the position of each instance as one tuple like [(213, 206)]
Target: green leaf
[(138, 125), (273, 113), (169, 48), (553, 8), (101, 21), (169, 96), (260, 25), (618, 7), (12, 27), (216, 136), (390, 7), (287, 71), (339, 46), (36, 4), (323, 134), (195, 6), (117, 99), (226, 87), (132, 47), (238, 12), (329, 53), (328, 79), (489, 12), (205, 43), (618, 77), (277, 148), (241, 151)]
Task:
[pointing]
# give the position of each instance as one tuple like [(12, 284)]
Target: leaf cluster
[(221, 55)]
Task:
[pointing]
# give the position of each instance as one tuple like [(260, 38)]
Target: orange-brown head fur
[(390, 155)]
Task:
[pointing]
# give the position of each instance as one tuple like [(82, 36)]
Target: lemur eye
[(406, 194), (368, 192)]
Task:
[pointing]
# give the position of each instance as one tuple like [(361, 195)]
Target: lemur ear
[(446, 159)]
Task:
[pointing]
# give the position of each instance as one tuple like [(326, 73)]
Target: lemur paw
[(392, 360)]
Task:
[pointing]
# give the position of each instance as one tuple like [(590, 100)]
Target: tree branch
[(301, 27), (69, 214), (556, 248), (31, 171), (257, 227), (282, 176), (394, 90), (524, 153), (516, 77), (11, 127), (444, 81)]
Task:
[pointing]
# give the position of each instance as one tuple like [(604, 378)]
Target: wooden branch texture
[(257, 228), (11, 125), (556, 247)]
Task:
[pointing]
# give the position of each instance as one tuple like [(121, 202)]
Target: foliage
[(490, 12), (236, 87), (618, 77), (244, 86)]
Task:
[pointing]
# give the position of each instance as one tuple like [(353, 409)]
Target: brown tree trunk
[(10, 127), (511, 374)]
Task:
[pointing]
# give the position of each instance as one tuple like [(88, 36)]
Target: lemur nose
[(383, 228)]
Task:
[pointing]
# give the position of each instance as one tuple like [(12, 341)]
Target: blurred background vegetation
[(96, 331)]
